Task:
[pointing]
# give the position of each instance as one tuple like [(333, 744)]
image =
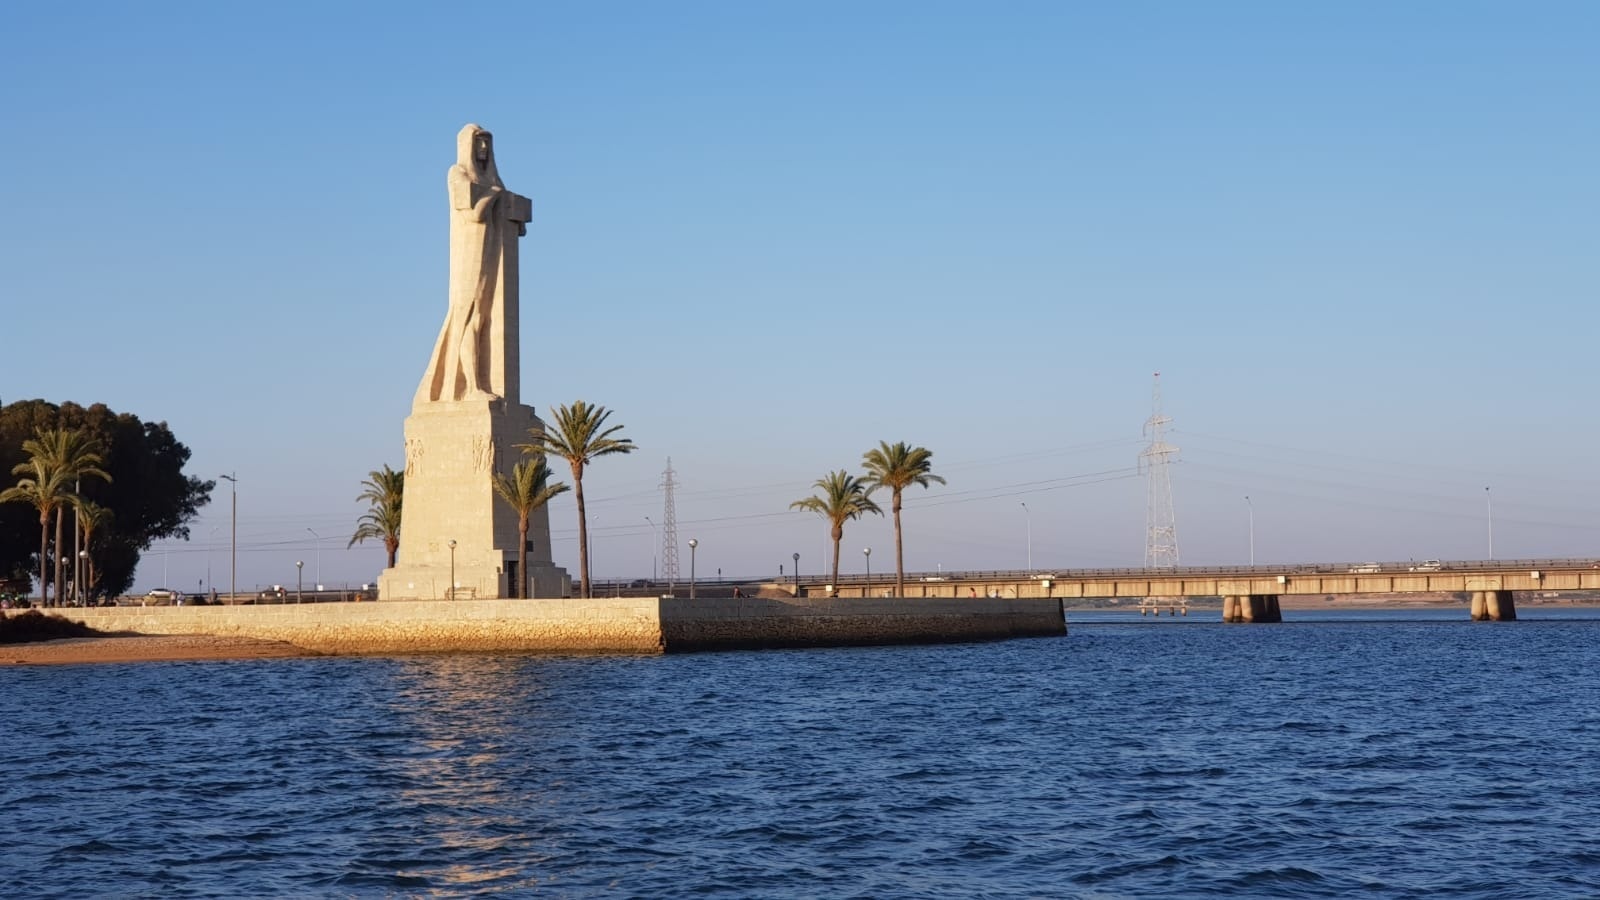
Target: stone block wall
[(604, 625), (726, 623)]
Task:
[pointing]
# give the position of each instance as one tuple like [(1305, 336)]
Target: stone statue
[(475, 357)]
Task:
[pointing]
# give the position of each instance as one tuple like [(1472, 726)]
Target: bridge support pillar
[(1230, 609), (1493, 606), (1251, 608), (1501, 607)]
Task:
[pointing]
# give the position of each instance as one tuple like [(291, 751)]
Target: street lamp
[(1489, 502), (692, 544), (81, 589), (867, 552), (797, 574), (655, 541), (319, 557), (233, 566), (1252, 507), (211, 541), (299, 580), (1029, 516), (451, 593)]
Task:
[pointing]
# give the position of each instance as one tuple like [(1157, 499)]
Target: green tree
[(526, 489), (42, 487), (840, 497), (152, 496), (897, 467), (76, 456), (579, 437), (383, 489)]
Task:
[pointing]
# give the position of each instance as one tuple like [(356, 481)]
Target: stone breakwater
[(821, 622), (601, 625)]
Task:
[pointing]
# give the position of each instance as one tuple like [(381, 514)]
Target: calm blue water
[(1382, 754)]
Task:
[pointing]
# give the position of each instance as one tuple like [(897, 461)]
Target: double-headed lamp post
[(233, 565), (451, 593), (867, 552), (692, 544)]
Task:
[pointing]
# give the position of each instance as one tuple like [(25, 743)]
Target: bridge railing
[(1393, 567)]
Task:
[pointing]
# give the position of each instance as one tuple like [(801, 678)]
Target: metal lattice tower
[(669, 530), (1161, 524)]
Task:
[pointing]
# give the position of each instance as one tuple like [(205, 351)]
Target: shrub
[(33, 625)]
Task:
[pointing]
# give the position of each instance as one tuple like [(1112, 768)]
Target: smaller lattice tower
[(669, 530), (1161, 524)]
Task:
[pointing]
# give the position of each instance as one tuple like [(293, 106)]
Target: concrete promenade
[(600, 625)]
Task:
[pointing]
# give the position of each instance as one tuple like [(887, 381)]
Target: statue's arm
[(469, 197)]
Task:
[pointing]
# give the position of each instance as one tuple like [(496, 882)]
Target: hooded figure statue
[(475, 357)]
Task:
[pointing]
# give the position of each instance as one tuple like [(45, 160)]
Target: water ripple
[(1385, 758)]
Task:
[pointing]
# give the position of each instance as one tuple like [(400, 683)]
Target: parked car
[(1428, 565), (161, 597)]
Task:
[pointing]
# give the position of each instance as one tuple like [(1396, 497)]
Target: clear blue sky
[(1358, 240)]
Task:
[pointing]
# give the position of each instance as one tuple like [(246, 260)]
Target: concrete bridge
[(1251, 593)]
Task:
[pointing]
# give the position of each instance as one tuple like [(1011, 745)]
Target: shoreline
[(123, 648)]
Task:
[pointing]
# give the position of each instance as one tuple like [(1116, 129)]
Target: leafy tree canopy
[(149, 496)]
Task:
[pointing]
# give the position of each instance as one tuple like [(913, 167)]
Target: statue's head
[(475, 153)]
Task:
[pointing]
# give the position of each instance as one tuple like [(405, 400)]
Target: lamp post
[(299, 580), (1029, 516), (79, 587), (692, 544), (655, 541), (867, 552), (450, 592), (233, 566), (797, 574), (77, 546), (319, 557), (211, 542), (1252, 508), (1489, 502)]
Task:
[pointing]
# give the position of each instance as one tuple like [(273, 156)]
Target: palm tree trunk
[(61, 515), (394, 549), (583, 530), (899, 559), (522, 557), (44, 547), (838, 535)]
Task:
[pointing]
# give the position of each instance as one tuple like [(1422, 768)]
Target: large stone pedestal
[(452, 450)]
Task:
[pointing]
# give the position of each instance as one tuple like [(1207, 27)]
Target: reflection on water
[(1419, 755)]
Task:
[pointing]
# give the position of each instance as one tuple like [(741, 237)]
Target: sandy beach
[(143, 648)]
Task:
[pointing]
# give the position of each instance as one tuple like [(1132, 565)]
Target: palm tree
[(92, 517), (45, 490), (56, 458), (526, 489), (579, 437), (898, 467), (75, 454), (840, 498), (383, 490)]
